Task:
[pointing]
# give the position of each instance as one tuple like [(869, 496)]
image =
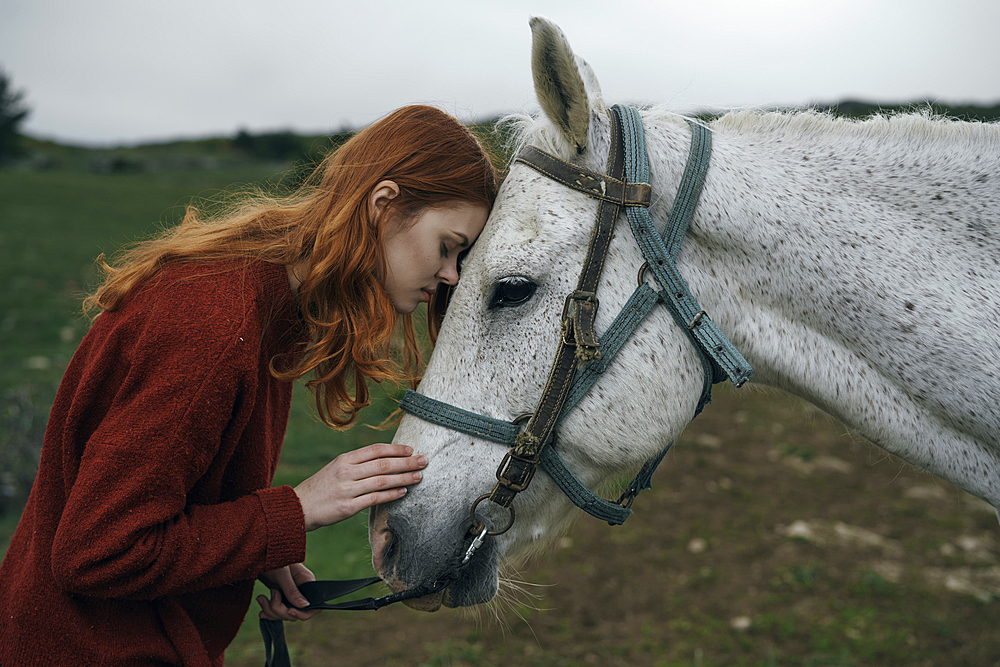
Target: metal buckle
[(506, 483), (520, 418), (567, 320), (697, 318), (577, 295), (476, 543)]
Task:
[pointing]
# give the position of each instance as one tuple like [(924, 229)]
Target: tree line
[(304, 151)]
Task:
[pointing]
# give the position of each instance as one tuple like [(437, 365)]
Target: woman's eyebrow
[(465, 240)]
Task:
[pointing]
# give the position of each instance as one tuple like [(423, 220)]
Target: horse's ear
[(563, 82)]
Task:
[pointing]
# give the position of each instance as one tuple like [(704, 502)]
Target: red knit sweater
[(151, 514)]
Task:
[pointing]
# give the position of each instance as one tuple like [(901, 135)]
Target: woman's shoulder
[(216, 284), (222, 277), (215, 295)]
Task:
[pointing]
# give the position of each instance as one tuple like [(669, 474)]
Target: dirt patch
[(771, 537)]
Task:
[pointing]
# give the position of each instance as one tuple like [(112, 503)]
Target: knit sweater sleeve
[(184, 374)]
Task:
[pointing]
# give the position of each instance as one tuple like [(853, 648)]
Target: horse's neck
[(838, 284), (817, 237)]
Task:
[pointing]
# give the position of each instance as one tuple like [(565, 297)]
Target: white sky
[(110, 71)]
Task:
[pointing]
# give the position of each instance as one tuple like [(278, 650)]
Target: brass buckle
[(506, 483), (567, 321)]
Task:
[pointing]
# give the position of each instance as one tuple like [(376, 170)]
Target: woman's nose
[(449, 273)]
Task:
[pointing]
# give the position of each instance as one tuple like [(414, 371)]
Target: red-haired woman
[(152, 513)]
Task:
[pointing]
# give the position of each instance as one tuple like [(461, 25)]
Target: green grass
[(54, 224)]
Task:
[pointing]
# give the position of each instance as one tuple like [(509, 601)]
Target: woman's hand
[(283, 583), (356, 480)]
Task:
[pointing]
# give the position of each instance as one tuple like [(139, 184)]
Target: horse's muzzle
[(403, 567)]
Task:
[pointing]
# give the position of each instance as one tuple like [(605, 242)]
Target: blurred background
[(116, 71), (773, 536)]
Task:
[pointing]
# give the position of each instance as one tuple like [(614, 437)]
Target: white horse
[(854, 264)]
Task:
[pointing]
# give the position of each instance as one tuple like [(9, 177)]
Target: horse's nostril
[(391, 551)]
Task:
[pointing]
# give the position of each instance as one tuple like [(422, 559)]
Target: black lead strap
[(319, 594)]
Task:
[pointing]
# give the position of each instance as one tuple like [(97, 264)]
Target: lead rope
[(319, 594)]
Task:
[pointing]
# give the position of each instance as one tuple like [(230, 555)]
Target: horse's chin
[(430, 602), (434, 601)]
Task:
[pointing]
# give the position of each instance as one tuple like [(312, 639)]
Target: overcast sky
[(113, 71)]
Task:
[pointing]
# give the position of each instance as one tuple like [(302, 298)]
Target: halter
[(581, 356)]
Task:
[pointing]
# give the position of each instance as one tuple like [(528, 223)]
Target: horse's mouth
[(433, 601), (430, 602)]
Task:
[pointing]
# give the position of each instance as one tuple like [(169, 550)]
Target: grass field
[(772, 537)]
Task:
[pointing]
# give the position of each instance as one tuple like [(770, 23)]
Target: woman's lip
[(427, 294)]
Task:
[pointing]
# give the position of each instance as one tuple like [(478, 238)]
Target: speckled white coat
[(854, 264)]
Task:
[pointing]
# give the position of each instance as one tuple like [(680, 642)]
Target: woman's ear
[(381, 195)]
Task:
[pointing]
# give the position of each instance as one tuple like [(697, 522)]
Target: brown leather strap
[(579, 313), (591, 183)]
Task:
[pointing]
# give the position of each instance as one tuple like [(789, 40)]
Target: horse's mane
[(919, 125), (518, 130)]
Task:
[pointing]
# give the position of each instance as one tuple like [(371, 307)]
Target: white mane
[(922, 126)]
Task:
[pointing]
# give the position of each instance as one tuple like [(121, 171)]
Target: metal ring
[(642, 272), (478, 525), (526, 415)]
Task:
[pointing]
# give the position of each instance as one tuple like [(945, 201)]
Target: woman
[(151, 514)]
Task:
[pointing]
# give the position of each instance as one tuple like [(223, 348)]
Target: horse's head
[(497, 343)]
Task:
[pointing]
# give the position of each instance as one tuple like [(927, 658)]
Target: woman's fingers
[(265, 609), (383, 465), (275, 608), (283, 584), (356, 480), (384, 482), (377, 451)]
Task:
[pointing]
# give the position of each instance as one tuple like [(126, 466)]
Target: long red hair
[(327, 224)]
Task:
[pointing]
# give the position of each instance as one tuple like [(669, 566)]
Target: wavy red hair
[(328, 225)]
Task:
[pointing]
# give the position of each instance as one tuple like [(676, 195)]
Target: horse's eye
[(512, 291)]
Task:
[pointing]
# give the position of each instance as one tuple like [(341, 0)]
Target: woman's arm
[(160, 465)]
